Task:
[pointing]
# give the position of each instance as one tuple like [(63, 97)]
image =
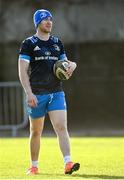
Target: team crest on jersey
[(57, 48)]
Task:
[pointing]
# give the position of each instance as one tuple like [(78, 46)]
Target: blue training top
[(41, 56)]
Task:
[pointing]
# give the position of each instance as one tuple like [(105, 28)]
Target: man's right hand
[(32, 100)]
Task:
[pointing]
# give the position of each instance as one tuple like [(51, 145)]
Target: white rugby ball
[(60, 68)]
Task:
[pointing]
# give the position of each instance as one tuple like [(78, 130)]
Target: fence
[(12, 107)]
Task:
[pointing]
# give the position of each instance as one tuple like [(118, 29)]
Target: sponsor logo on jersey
[(47, 53), (46, 58), (37, 48)]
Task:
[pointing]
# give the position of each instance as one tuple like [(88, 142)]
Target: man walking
[(44, 91)]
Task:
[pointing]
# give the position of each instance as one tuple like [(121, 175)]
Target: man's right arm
[(24, 79)]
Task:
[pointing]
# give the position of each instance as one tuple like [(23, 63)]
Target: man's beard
[(45, 30)]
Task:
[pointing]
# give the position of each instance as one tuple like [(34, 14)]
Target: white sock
[(34, 163), (67, 159)]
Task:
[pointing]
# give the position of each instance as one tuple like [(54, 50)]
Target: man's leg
[(36, 128), (59, 121)]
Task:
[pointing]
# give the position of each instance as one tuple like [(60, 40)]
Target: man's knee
[(60, 127), (35, 132)]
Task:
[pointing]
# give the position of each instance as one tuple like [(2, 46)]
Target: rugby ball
[(60, 67)]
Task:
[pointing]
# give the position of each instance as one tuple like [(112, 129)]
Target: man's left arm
[(72, 66)]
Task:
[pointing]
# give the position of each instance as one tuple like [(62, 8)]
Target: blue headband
[(40, 15)]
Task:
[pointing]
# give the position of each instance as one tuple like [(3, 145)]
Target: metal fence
[(12, 107)]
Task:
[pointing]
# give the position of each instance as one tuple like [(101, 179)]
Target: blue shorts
[(46, 103)]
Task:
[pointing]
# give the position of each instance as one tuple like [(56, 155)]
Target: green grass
[(100, 158)]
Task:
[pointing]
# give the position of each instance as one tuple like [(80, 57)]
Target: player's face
[(46, 25)]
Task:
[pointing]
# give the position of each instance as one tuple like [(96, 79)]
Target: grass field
[(100, 158)]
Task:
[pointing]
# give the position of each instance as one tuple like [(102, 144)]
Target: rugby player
[(44, 92)]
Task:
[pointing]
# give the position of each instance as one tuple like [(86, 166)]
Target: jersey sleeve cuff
[(63, 57), (24, 57)]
